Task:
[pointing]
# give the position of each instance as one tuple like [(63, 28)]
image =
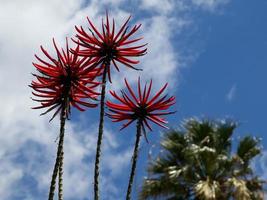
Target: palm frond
[(240, 190), (207, 189), (248, 148), (197, 161)]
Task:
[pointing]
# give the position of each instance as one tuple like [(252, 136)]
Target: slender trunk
[(134, 159), (59, 160), (60, 177), (100, 133)]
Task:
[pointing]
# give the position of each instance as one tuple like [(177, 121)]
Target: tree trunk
[(100, 133), (134, 159), (59, 160)]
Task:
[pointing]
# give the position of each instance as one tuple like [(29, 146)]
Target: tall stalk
[(100, 132), (134, 159), (58, 167), (60, 177)]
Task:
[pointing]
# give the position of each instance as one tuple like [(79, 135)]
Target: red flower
[(142, 107), (67, 76), (107, 47)]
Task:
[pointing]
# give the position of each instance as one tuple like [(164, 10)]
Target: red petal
[(94, 28), (127, 124), (158, 94), (131, 91), (122, 28)]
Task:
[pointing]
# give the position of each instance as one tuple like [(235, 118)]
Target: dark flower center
[(108, 51), (67, 82), (68, 79), (141, 112)]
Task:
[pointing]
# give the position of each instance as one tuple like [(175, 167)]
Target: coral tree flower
[(108, 46), (142, 106), (66, 76)]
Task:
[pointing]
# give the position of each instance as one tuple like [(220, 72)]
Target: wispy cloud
[(231, 94), (259, 165), (158, 6), (210, 5)]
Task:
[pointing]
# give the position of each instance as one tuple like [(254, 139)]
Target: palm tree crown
[(197, 162)]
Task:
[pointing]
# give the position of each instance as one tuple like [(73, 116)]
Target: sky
[(211, 52)]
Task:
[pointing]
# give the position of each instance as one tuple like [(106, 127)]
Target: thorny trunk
[(58, 167), (100, 133), (134, 159)]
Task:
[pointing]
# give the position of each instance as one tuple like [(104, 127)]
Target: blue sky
[(233, 59), (212, 53)]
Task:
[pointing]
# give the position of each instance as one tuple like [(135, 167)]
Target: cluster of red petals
[(65, 77), (106, 46), (142, 106)]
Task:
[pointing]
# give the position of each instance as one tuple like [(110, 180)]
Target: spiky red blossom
[(65, 77), (142, 106), (107, 46)]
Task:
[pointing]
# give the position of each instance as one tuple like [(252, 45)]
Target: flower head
[(66, 78), (143, 106), (106, 46)]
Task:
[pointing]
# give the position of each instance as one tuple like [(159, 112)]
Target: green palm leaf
[(197, 162)]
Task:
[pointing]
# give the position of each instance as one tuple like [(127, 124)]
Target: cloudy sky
[(212, 53)]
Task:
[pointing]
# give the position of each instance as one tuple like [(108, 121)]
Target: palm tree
[(197, 161)]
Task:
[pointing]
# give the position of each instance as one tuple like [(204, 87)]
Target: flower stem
[(100, 133), (60, 177), (59, 160), (134, 159)]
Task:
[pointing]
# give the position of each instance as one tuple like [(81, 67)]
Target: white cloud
[(39, 155), (159, 6), (231, 93), (209, 4), (27, 147), (260, 165), (161, 62), (179, 6), (9, 174)]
